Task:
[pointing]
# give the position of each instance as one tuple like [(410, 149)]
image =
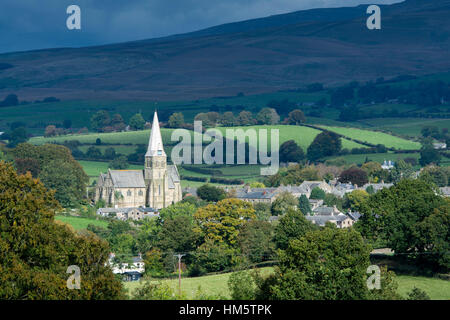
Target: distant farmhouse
[(157, 186)]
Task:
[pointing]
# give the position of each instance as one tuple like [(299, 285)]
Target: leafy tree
[(212, 257), (176, 234), (182, 208), (211, 193), (324, 144), (27, 165), (241, 285), (291, 152), (257, 184), (255, 241), (17, 136), (355, 199), (401, 170), (228, 119), (137, 122), (418, 294), (110, 153), (262, 211), (245, 118), (118, 123), (10, 100), (268, 116), (119, 163), (221, 222), (436, 175), (292, 225), (57, 169), (296, 117), (284, 202), (429, 155), (355, 176), (93, 153), (36, 250), (317, 193), (154, 290), (176, 120), (326, 264), (100, 120), (304, 205), (412, 219)]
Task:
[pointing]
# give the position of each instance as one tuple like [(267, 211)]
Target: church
[(157, 186)]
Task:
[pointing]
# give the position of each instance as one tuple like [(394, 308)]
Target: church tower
[(155, 172)]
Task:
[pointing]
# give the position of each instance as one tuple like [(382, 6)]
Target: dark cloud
[(31, 24)]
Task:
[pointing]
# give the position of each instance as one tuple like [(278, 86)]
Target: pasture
[(79, 223), (375, 137), (217, 285)]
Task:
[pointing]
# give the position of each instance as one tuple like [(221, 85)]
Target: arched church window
[(129, 193), (159, 189), (140, 193)]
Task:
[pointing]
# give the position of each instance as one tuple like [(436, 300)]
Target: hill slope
[(261, 55)]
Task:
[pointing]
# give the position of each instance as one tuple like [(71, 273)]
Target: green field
[(79, 223), (212, 285), (374, 137), (437, 289), (405, 126), (302, 135), (377, 157)]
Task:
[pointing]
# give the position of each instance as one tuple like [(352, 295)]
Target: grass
[(437, 289), (79, 223), (303, 136), (212, 284), (375, 138), (377, 157), (410, 127)]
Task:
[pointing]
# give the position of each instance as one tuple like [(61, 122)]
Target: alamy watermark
[(213, 153), (74, 281)]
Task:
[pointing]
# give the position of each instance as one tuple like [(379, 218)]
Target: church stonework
[(157, 186)]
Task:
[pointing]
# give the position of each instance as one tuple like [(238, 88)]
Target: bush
[(241, 286)]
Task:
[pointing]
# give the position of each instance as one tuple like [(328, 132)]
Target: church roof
[(173, 175), (155, 145), (127, 178)]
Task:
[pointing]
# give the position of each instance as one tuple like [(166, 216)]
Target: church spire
[(155, 145)]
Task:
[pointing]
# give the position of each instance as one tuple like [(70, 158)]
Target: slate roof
[(256, 193), (321, 220), (127, 178), (445, 191), (155, 145), (173, 176)]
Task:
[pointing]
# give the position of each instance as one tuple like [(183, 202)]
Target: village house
[(137, 264), (128, 213)]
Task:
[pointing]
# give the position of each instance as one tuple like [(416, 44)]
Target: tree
[(291, 152), (57, 169), (255, 241), (326, 264), (304, 205), (401, 170), (283, 203), (355, 199), (10, 100), (176, 120), (262, 211), (137, 122), (291, 226), (268, 116), (412, 218), (241, 285), (317, 194), (228, 119), (36, 250), (181, 208), (119, 163), (354, 176), (296, 117), (429, 155), (211, 193), (324, 144), (110, 153), (118, 123), (221, 222), (418, 294), (245, 118), (67, 124), (154, 290), (93, 153), (436, 175), (17, 136), (176, 234), (100, 120), (212, 257), (50, 131)]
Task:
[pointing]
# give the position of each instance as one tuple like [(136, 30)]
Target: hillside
[(261, 55)]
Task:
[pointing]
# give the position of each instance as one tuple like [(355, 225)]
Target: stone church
[(157, 186)]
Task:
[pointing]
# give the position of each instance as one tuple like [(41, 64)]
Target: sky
[(37, 24)]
